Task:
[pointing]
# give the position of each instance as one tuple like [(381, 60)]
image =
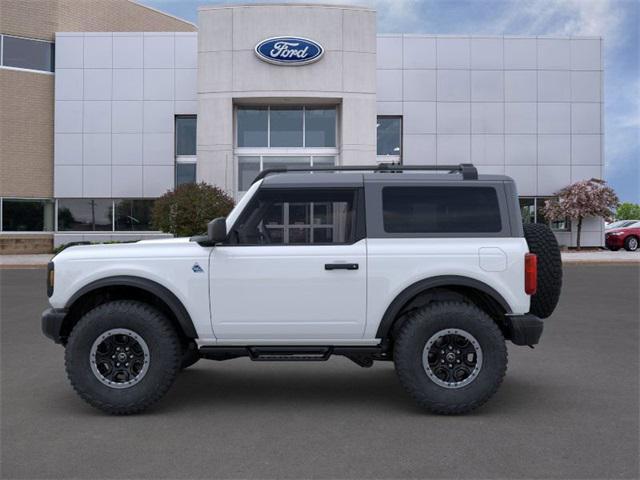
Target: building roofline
[(287, 4), (136, 2)]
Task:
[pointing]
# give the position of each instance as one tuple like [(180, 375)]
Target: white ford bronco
[(433, 271)]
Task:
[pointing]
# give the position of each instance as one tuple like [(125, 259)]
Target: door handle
[(341, 266)]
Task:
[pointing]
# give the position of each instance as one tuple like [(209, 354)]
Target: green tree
[(186, 210), (628, 211)]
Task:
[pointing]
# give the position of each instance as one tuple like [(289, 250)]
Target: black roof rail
[(468, 171)]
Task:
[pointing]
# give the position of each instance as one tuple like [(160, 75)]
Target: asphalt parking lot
[(568, 409)]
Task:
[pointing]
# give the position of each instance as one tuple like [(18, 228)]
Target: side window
[(297, 217), (440, 210)]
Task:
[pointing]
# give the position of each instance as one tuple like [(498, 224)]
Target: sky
[(617, 21)]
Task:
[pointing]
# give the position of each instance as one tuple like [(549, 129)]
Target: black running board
[(363, 356)]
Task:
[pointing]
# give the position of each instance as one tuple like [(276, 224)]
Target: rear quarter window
[(444, 209)]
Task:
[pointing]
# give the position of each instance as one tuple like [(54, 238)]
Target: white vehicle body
[(282, 294)]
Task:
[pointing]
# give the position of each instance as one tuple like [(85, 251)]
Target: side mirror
[(217, 230)]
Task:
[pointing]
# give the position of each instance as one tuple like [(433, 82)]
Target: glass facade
[(27, 215), (186, 146), (133, 215), (532, 210), (389, 137), (85, 215), (249, 166), (286, 127), (283, 136), (18, 52)]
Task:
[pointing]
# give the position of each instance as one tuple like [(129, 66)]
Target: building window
[(528, 210), (250, 166), (563, 225), (286, 127), (532, 211), (133, 215), (27, 215), (26, 53), (186, 160), (283, 136), (297, 217), (389, 139), (85, 215)]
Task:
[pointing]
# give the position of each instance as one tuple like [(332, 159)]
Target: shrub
[(186, 210)]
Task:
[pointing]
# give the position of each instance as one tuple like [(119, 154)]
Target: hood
[(160, 248)]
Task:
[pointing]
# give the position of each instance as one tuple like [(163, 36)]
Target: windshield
[(622, 224)]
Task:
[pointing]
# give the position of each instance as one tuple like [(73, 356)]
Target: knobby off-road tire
[(409, 350), (543, 243), (146, 326)]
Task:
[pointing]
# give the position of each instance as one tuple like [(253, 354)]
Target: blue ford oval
[(289, 50)]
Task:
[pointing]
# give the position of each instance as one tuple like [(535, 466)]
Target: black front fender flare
[(423, 285), (167, 296)]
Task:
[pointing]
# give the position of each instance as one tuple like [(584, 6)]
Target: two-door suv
[(433, 271)]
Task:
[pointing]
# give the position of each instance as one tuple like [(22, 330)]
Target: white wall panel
[(419, 52), (454, 117), (126, 117), (67, 181), (419, 149), (420, 117), (126, 149), (98, 51), (520, 118), (454, 149), (96, 116), (520, 53), (554, 86), (68, 84), (126, 181), (158, 51), (158, 84), (487, 117), (585, 118), (156, 180), (487, 149), (554, 149), (68, 116), (68, 149), (520, 149), (554, 118), (96, 181), (554, 54), (487, 53), (586, 150), (552, 178), (97, 84), (127, 51), (69, 50), (453, 52), (453, 86), (585, 86), (158, 149), (158, 117), (128, 84), (389, 52), (586, 54), (487, 85), (521, 85), (419, 85), (96, 149)]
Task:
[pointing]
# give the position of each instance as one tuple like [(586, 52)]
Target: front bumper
[(524, 329), (52, 319), (614, 241)]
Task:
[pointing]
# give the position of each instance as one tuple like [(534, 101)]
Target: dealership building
[(119, 103)]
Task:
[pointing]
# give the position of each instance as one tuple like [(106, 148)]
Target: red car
[(627, 237)]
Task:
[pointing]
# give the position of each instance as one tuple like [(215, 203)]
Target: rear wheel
[(451, 357), (631, 244), (122, 356)]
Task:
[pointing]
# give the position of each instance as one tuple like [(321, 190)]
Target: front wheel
[(451, 357), (631, 244), (123, 356)]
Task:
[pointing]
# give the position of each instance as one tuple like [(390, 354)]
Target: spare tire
[(543, 243)]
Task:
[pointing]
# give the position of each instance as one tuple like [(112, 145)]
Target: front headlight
[(616, 233)]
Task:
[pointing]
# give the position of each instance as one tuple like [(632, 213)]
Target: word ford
[(282, 50)]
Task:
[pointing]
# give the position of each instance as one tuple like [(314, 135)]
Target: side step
[(363, 356)]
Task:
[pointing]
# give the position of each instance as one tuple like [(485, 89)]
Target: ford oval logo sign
[(289, 51)]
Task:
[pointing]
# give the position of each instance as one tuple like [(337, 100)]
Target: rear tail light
[(530, 273)]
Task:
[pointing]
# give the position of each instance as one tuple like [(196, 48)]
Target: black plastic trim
[(442, 281), (50, 284), (524, 329), (168, 297), (51, 321)]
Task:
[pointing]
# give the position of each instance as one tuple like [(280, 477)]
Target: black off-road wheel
[(123, 356), (451, 357), (543, 243)]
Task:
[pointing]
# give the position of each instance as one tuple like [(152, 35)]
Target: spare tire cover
[(543, 243)]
